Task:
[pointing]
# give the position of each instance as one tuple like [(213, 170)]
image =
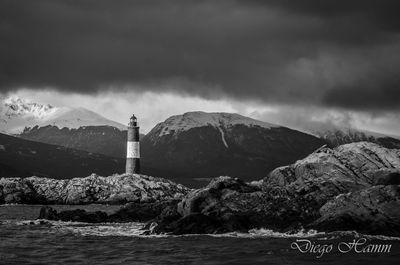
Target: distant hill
[(104, 140), (22, 158)]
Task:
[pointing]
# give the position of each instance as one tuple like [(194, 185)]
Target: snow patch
[(223, 137), (196, 119)]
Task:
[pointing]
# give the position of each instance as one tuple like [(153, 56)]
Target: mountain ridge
[(16, 114)]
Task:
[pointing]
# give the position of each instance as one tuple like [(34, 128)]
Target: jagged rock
[(16, 190), (228, 204), (216, 191), (77, 215), (329, 172), (373, 210), (387, 177), (115, 189), (48, 213), (349, 187), (140, 212), (290, 197), (356, 161), (131, 212)]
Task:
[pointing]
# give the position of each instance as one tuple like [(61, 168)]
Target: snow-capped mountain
[(190, 120), (337, 135), (16, 114), (202, 145)]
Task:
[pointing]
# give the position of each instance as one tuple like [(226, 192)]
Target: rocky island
[(351, 187), (115, 189)]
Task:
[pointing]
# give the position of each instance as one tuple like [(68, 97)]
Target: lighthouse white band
[(133, 150)]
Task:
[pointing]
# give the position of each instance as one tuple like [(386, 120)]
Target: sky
[(295, 63)]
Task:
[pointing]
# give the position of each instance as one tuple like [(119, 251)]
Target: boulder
[(77, 215)]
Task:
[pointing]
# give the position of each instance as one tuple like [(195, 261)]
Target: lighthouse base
[(132, 166)]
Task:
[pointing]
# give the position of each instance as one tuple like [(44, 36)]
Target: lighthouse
[(133, 148)]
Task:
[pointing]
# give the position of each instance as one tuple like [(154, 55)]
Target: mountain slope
[(105, 140), (202, 145), (24, 158), (16, 114)]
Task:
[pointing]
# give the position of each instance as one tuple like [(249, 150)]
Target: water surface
[(24, 240)]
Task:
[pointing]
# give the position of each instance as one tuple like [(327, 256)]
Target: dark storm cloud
[(337, 53)]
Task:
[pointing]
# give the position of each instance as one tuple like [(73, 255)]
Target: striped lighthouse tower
[(133, 148)]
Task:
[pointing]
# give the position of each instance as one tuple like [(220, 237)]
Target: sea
[(26, 240)]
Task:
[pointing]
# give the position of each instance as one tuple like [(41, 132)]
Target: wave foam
[(135, 229)]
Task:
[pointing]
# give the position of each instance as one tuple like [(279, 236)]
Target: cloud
[(321, 119), (150, 108), (320, 53)]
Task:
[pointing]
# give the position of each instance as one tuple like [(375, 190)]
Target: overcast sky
[(283, 61)]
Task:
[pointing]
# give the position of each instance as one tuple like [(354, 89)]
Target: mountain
[(16, 114), (22, 158), (198, 145), (337, 135), (195, 145)]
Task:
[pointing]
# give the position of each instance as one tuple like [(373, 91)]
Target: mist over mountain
[(336, 135)]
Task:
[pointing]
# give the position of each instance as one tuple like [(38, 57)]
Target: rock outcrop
[(356, 162), (354, 186), (327, 172), (131, 212), (373, 210), (115, 189), (305, 194), (229, 204)]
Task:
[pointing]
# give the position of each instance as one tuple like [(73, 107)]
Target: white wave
[(268, 233), (12, 204), (370, 237), (125, 229)]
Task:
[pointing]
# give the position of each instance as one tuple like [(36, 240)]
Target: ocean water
[(25, 240)]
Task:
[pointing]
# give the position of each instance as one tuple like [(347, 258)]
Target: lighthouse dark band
[(133, 147)]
